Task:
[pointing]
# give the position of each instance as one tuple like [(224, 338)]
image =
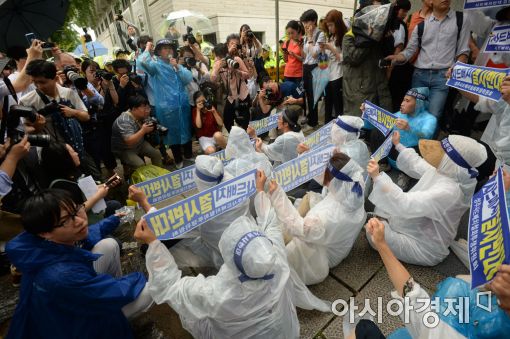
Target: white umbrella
[(177, 22)]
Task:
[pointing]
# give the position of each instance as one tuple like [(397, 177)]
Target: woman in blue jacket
[(71, 285)]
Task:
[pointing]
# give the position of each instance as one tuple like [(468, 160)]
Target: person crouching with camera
[(207, 122), (128, 135), (230, 69)]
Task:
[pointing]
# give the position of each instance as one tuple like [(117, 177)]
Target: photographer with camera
[(231, 70), (128, 135), (62, 107), (191, 42), (169, 81), (207, 122), (127, 84), (97, 136), (198, 69), (251, 47)]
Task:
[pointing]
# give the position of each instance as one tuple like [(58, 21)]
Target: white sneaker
[(179, 164), (306, 128)]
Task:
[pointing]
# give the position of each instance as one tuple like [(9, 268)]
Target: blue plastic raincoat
[(170, 96), (422, 124), (62, 296)]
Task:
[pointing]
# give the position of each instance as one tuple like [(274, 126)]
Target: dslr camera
[(14, 131), (190, 61), (231, 63), (250, 34), (72, 75), (102, 74), (161, 130), (135, 78), (189, 37)]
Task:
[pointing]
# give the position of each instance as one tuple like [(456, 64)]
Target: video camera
[(72, 75), (189, 37), (13, 122), (161, 130)]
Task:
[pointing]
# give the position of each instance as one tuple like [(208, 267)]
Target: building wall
[(226, 16)]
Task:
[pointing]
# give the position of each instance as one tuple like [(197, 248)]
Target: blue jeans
[(435, 80)]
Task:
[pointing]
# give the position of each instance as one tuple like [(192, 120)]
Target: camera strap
[(5, 108), (43, 97)]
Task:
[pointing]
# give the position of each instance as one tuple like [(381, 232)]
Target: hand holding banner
[(383, 120), (265, 125), (488, 232), (187, 214), (483, 81)]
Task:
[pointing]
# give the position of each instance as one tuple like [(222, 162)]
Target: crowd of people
[(66, 118)]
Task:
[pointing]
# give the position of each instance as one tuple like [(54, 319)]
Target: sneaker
[(403, 181), (15, 276), (179, 164), (306, 128)]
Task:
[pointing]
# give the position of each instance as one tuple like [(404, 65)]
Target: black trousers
[(177, 152), (312, 113), (241, 114), (334, 100)]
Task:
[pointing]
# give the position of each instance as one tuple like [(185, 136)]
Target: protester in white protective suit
[(323, 236), (284, 148), (253, 294), (432, 209), (345, 136), (245, 157)]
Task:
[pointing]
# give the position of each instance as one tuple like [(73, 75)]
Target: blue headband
[(238, 255), (416, 95), (345, 126), (344, 177), (457, 158), (208, 178)]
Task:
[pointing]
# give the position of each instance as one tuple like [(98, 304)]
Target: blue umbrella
[(95, 48)]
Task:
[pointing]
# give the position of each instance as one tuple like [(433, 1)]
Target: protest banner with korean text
[(499, 40), (320, 136), (383, 120), (383, 150), (483, 81), (488, 232), (185, 215), (303, 168), (477, 4), (264, 125)]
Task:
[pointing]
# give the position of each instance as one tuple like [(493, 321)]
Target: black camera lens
[(73, 76), (190, 61), (39, 140)]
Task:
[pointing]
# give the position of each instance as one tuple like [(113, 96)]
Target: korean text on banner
[(383, 150), (169, 185), (477, 4), (499, 40), (187, 214), (383, 120), (483, 81), (319, 137), (488, 232), (303, 168), (265, 125)]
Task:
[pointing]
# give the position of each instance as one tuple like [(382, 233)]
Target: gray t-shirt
[(123, 127)]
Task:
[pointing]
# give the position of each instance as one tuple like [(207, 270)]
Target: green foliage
[(80, 13)]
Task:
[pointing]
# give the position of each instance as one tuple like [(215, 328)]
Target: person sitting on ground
[(284, 147), (72, 283), (128, 133), (253, 294), (494, 323), (434, 206), (60, 163), (208, 124), (323, 233)]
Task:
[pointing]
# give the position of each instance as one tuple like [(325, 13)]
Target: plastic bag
[(129, 216), (320, 81), (147, 172)]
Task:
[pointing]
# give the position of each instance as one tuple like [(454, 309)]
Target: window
[(210, 38)]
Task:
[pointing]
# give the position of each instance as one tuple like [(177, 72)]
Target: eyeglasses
[(71, 216)]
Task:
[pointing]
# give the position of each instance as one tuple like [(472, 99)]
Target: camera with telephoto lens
[(14, 131), (190, 61), (231, 63), (189, 37), (250, 34), (72, 75), (135, 78), (101, 74), (161, 130)]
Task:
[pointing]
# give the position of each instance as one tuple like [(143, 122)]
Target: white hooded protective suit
[(245, 157), (324, 237), (284, 148), (252, 296), (432, 209), (345, 137)]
